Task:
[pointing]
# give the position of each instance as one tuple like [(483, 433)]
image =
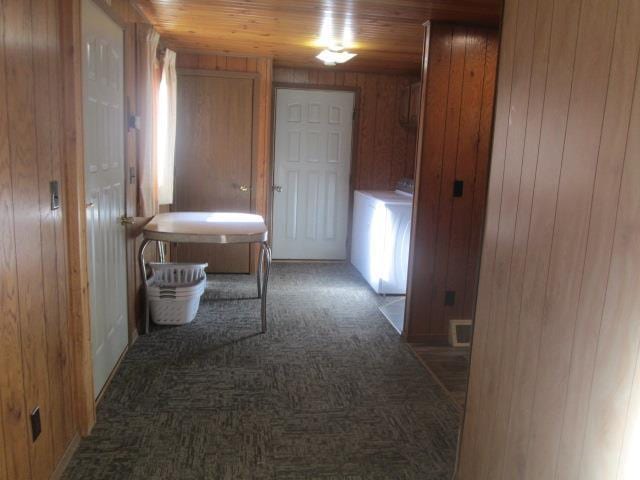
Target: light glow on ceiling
[(334, 42)]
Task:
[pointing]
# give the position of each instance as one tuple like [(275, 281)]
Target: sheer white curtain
[(166, 137), (147, 64)]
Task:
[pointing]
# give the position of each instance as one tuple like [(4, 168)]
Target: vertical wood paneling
[(383, 136), (403, 148), (264, 67), (599, 244), (18, 29), (367, 85), (385, 150), (489, 245), (563, 284), (47, 137), (509, 227), (435, 91), (552, 134), (481, 179), (75, 212), (434, 316), (476, 73), (34, 332), (612, 419), (552, 390), (534, 78), (15, 454), (457, 107), (61, 353)]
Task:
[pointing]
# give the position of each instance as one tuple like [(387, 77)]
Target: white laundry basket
[(174, 291)]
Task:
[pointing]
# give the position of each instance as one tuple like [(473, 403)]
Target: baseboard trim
[(436, 379), (134, 337), (66, 458), (302, 260), (432, 339)]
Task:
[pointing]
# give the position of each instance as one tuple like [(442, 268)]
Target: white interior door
[(311, 174), (102, 71)]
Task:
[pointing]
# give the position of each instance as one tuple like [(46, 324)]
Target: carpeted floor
[(329, 392)]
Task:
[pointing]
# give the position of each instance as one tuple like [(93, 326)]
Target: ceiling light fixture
[(335, 54)]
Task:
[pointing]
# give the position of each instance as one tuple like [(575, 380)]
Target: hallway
[(329, 392)]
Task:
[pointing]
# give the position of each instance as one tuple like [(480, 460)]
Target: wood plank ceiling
[(386, 34)]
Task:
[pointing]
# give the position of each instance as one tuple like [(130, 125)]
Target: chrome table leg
[(143, 273), (162, 252), (265, 280), (259, 274)]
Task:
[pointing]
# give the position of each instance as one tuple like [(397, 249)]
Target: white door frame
[(122, 27), (354, 148)]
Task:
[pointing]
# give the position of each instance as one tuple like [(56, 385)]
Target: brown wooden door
[(213, 166)]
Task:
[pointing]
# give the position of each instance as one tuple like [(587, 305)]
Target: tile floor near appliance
[(393, 310)]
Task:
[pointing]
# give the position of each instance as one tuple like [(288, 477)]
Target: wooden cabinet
[(451, 177), (410, 105)]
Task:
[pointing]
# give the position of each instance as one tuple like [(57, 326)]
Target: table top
[(206, 227)]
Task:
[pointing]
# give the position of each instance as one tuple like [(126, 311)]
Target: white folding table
[(210, 227)]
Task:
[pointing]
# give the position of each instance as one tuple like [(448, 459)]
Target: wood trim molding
[(431, 339), (215, 53), (66, 458), (417, 170), (218, 73), (79, 321), (136, 7), (316, 86)]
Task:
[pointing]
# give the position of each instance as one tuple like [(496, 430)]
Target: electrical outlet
[(458, 188), (449, 298), (36, 425)]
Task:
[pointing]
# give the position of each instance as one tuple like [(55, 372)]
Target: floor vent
[(460, 333)]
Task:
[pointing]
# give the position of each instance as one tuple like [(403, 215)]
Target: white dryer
[(380, 238)]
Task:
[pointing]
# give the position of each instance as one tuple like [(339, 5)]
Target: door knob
[(277, 188), (244, 188), (127, 220)]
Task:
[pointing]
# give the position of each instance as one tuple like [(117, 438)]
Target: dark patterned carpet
[(330, 392)]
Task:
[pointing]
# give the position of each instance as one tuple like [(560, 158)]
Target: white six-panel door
[(311, 174), (102, 71)]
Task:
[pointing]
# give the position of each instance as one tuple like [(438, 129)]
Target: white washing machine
[(380, 238)]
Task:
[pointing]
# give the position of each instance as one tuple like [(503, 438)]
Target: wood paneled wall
[(34, 340), (554, 389), (385, 150), (454, 138), (264, 68), (38, 246)]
